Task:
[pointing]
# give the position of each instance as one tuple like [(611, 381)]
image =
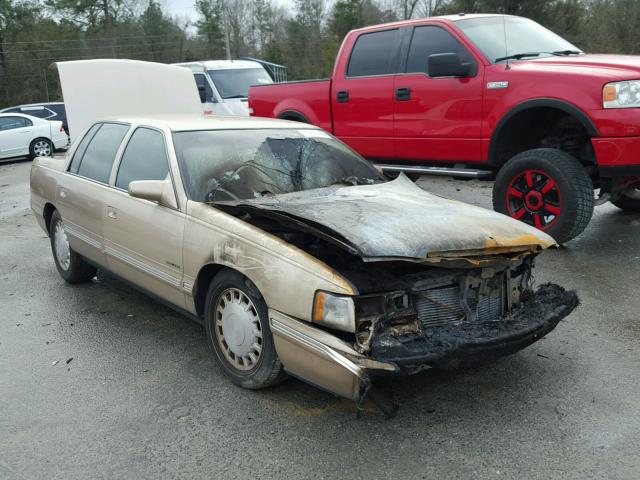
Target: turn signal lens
[(334, 311), (609, 93)]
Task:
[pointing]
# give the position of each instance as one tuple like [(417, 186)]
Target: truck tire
[(237, 325), (629, 201), (547, 189)]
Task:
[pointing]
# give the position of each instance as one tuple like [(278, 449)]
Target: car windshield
[(235, 83), (219, 165), (522, 36)]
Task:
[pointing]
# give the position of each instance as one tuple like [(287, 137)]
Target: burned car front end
[(434, 283)]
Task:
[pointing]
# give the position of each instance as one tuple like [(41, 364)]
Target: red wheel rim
[(533, 197)]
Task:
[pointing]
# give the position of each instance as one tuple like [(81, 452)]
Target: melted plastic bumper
[(473, 342)]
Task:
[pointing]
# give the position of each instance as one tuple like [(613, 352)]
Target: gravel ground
[(98, 381)]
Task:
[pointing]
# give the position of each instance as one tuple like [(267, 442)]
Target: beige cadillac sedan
[(293, 251)]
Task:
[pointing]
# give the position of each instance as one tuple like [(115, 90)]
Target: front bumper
[(332, 364), (617, 154), (473, 342)]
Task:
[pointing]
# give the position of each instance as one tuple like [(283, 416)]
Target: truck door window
[(145, 158), (429, 40), (204, 89), (374, 54), (98, 157)]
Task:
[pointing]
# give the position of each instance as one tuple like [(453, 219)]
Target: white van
[(223, 85)]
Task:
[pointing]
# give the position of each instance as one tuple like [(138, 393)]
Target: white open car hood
[(98, 89)]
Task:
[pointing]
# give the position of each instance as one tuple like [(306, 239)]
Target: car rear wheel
[(71, 266), (237, 323), (41, 147), (547, 189), (629, 201)]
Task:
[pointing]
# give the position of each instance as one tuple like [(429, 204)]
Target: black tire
[(77, 270), (573, 191), (34, 147), (627, 203), (268, 369)]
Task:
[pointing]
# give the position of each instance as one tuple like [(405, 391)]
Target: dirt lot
[(135, 392)]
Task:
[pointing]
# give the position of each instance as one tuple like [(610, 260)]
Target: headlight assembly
[(334, 311), (621, 94)]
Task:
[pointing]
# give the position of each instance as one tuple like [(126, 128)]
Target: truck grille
[(443, 306)]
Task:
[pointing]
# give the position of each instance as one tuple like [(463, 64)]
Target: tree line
[(304, 37)]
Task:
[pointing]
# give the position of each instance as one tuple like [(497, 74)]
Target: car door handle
[(342, 96), (112, 213), (403, 94)]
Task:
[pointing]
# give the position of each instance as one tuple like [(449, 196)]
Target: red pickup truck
[(485, 96)]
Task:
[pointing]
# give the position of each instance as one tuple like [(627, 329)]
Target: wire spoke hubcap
[(238, 329), (534, 197), (61, 246), (42, 149)]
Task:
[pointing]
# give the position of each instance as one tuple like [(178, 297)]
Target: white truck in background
[(223, 85)]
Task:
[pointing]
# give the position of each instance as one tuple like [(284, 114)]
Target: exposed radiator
[(443, 306)]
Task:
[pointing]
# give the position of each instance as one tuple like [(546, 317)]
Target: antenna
[(506, 48)]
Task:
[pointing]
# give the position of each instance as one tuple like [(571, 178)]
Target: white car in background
[(24, 135), (223, 85)]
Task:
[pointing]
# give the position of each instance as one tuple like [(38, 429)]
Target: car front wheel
[(237, 324), (547, 189), (40, 147)]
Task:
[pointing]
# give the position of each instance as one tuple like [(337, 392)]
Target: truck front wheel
[(547, 189), (629, 200)]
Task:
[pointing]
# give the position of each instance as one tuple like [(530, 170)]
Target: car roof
[(181, 123), (222, 64), (27, 105), (16, 114)]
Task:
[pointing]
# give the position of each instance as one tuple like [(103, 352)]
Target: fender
[(537, 103), (293, 115)]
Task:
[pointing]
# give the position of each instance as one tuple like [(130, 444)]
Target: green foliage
[(36, 33)]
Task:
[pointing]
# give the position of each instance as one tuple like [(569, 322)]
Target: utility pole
[(226, 30)]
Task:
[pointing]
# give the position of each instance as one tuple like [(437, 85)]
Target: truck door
[(362, 94), (437, 119)]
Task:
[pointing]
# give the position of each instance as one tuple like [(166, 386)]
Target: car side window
[(144, 158), (204, 89), (430, 40), (39, 112), (374, 53), (11, 123), (82, 147), (100, 152)]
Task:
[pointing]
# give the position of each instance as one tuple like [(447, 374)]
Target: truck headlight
[(621, 94), (334, 311)]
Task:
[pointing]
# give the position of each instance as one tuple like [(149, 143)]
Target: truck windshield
[(524, 38), (219, 165), (235, 83)]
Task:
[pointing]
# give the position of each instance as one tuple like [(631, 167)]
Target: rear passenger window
[(374, 54), (99, 155), (145, 158), (82, 147), (430, 41)]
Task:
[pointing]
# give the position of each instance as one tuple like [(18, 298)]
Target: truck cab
[(223, 85), (483, 96)]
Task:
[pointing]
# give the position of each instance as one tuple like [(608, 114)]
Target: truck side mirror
[(202, 93), (447, 65)]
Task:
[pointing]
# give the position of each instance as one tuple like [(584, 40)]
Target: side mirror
[(160, 191), (447, 65)]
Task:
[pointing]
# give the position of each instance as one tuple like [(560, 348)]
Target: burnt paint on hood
[(398, 219)]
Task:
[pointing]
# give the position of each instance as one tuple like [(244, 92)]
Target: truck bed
[(307, 100)]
